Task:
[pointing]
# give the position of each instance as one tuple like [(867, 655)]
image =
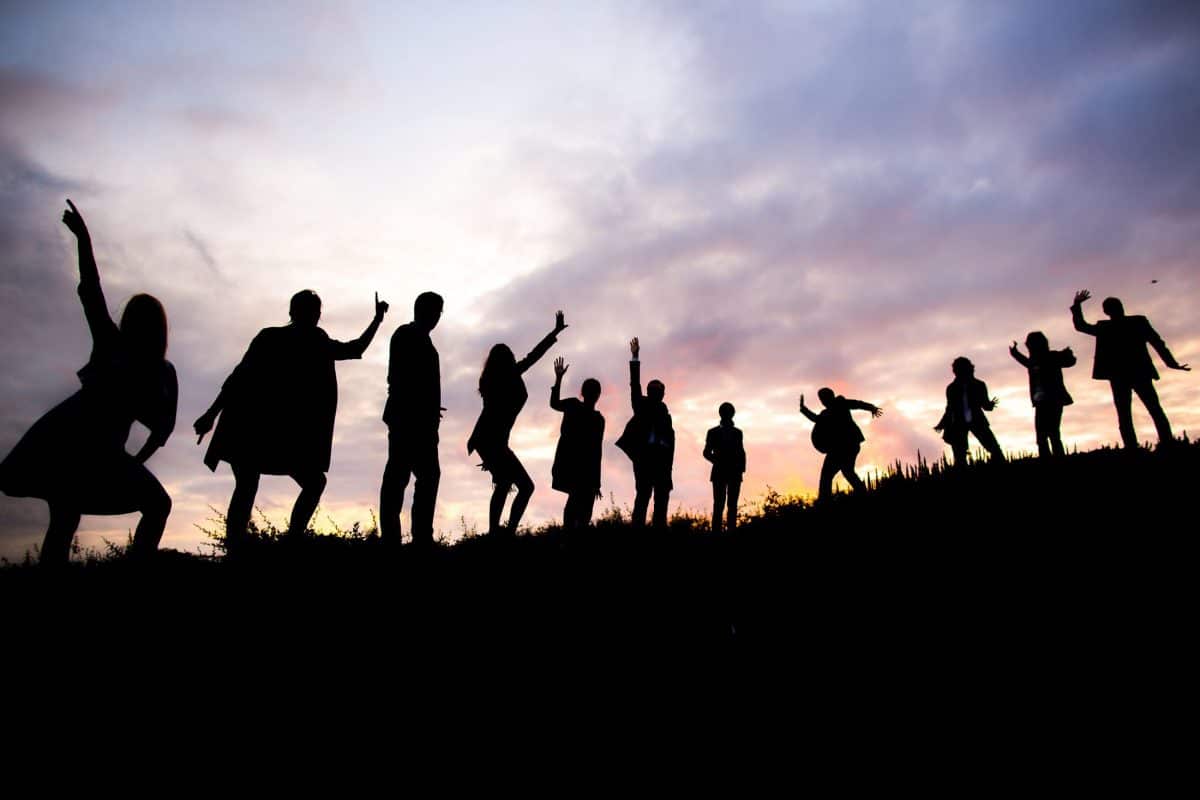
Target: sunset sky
[(773, 196)]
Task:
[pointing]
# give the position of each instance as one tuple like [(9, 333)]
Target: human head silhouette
[(427, 310), (305, 308), (962, 367), (826, 396), (726, 412), (590, 391), (144, 327), (500, 364), (1112, 306), (656, 390), (1037, 343)]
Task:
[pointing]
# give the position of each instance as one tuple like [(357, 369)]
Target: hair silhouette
[(837, 436), (74, 457), (275, 412), (723, 447), (576, 468), (413, 415), (966, 400), (1123, 361), (1047, 391), (504, 394), (649, 441)]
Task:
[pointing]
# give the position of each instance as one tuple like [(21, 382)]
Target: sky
[(773, 196)]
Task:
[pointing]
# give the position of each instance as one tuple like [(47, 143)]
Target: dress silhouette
[(966, 400), (1047, 391), (275, 412), (413, 414), (74, 457), (1123, 361), (723, 447), (837, 436), (576, 469), (649, 441), (504, 395)]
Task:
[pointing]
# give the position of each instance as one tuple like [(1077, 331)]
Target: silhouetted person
[(504, 395), (1123, 361), (649, 441), (576, 469), (723, 447), (837, 436), (1047, 391), (74, 457), (413, 414), (966, 400), (277, 410)]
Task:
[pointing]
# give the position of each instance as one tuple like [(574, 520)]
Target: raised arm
[(806, 411), (91, 295), (635, 375), (356, 347), (544, 345), (560, 369), (1018, 355), (1160, 347), (1082, 325)]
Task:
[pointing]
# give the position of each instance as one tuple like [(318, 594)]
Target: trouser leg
[(847, 467), (391, 490), (718, 490), (829, 468), (731, 502), (1123, 399), (988, 439), (662, 499), (428, 474), (1149, 396)]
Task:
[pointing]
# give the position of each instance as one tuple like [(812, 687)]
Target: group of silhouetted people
[(274, 415)]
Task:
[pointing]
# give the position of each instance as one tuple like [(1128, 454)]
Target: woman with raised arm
[(576, 469), (276, 412), (504, 395), (837, 436), (74, 457), (1047, 391)]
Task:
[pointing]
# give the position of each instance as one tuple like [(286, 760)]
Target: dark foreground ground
[(1047, 595)]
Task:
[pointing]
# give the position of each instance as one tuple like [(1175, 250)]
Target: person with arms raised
[(275, 412), (74, 457), (504, 395), (1123, 361), (649, 441)]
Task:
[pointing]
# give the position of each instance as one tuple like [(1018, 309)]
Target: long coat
[(280, 402)]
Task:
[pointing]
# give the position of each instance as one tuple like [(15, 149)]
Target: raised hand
[(1014, 349), (559, 325), (74, 221), (995, 401), (1183, 367), (877, 412), (801, 403), (1082, 296), (634, 348), (560, 368), (381, 307)]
